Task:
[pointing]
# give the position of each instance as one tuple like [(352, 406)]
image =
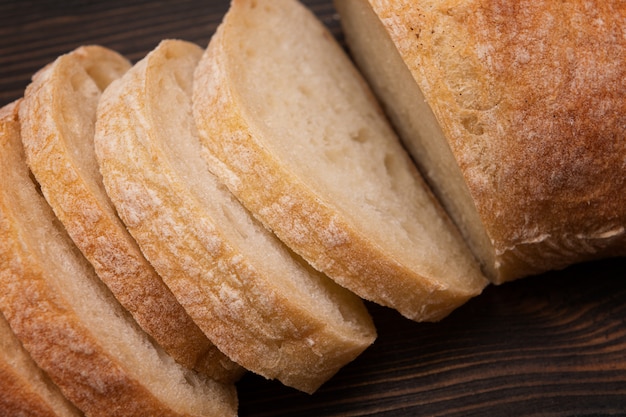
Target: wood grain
[(551, 345), (33, 33)]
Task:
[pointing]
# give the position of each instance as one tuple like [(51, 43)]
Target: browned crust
[(24, 389), (300, 217), (42, 320), (532, 98), (90, 219), (20, 396), (17, 397), (250, 318)]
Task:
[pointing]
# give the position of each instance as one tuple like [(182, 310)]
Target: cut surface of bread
[(294, 132), (253, 298), (24, 389), (58, 116), (515, 112), (71, 324)]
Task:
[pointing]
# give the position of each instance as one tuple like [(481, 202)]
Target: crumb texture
[(70, 323), (319, 164), (259, 304), (58, 116)]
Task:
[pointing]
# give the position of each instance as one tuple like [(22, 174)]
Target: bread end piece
[(516, 122)]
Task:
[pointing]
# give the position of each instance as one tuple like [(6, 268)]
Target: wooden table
[(551, 345)]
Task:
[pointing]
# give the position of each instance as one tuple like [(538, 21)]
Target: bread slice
[(70, 323), (24, 389), (255, 300), (58, 116), (515, 112), (295, 133)]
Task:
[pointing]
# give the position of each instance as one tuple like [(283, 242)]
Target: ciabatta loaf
[(24, 389), (255, 300), (515, 111), (58, 115), (71, 324), (295, 133)]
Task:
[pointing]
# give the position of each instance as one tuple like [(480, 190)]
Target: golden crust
[(17, 397), (310, 224), (58, 116), (24, 388), (237, 303), (43, 320), (531, 98)]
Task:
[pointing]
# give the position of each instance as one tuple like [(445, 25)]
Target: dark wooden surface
[(551, 345)]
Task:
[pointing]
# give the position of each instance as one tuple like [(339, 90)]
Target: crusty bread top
[(71, 324), (257, 302), (24, 389), (531, 96), (294, 132), (58, 116)]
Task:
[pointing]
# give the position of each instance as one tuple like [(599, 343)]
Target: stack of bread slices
[(168, 225)]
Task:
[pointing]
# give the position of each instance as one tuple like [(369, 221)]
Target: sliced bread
[(58, 115), (293, 130), (71, 324), (255, 300), (24, 389), (515, 111)]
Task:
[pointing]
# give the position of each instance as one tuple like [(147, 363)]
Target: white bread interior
[(255, 300), (393, 83), (24, 389), (58, 116), (71, 324), (292, 129), (514, 121)]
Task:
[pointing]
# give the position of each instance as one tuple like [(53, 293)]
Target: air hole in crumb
[(359, 136), (391, 166), (305, 90), (334, 155)]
